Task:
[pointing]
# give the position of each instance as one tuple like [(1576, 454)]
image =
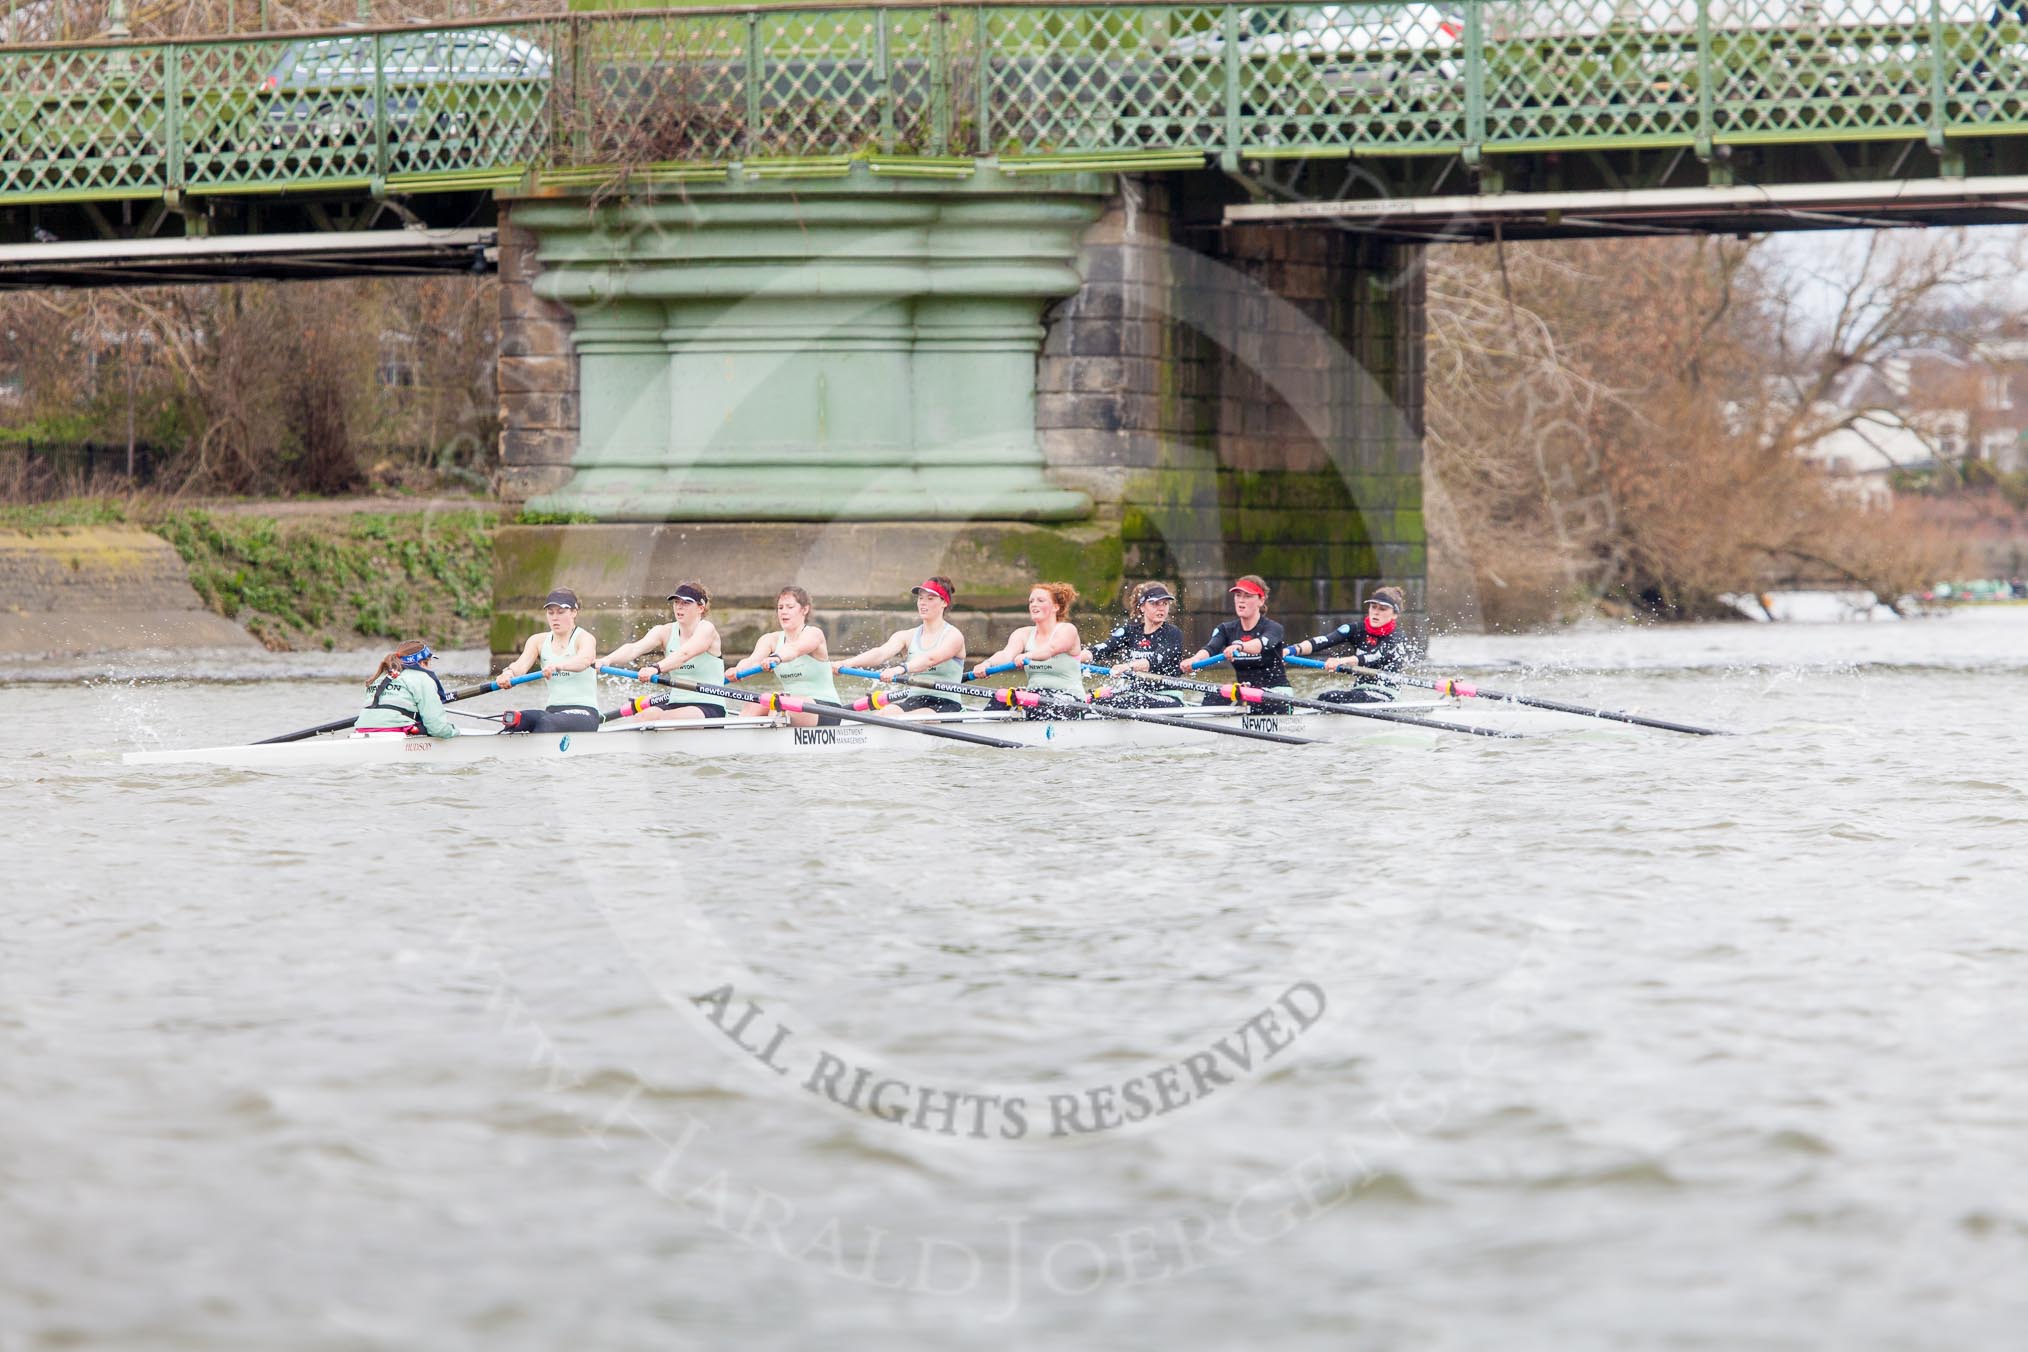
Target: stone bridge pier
[(850, 383)]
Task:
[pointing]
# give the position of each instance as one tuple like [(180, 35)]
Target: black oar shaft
[(1132, 715), (1176, 721), (632, 707), (335, 724), (1613, 715), (1555, 706), (818, 707), (302, 733), (1325, 706)]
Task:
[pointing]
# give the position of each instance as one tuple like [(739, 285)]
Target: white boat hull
[(773, 736)]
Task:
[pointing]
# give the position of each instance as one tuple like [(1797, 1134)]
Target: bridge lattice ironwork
[(923, 89)]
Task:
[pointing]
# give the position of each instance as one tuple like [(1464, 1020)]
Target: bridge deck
[(298, 131)]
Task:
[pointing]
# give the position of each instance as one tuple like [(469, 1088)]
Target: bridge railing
[(685, 92)]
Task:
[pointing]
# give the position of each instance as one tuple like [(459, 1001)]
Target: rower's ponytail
[(390, 665)]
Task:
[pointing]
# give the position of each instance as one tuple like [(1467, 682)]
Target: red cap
[(934, 588), (1250, 587)]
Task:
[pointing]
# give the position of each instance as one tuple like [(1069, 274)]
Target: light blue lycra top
[(808, 677), (952, 670), (579, 689), (1058, 673), (703, 667)]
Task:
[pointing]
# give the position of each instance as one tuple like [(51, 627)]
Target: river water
[(1589, 1040)]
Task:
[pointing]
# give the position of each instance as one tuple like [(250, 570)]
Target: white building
[(1862, 456)]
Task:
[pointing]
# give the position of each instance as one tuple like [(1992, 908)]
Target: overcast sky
[(1822, 265)]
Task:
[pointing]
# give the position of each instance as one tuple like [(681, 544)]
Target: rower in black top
[(1146, 642), (1377, 645), (1252, 643)]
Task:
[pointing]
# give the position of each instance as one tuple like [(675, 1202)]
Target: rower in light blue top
[(690, 651), (1046, 649), (934, 650), (566, 655), (798, 656)]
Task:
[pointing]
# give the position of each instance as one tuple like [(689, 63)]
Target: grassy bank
[(340, 580)]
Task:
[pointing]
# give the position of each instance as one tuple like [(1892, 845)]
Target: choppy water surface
[(1624, 1040)]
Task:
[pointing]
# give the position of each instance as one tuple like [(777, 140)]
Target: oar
[(638, 704), (300, 733), (1325, 706), (796, 704), (1037, 699), (333, 726), (741, 673), (1006, 699), (1466, 690)]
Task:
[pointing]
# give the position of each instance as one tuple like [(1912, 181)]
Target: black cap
[(686, 594), (562, 596), (1157, 592), (1390, 597)]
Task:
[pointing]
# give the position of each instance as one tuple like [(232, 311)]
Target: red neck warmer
[(1380, 630)]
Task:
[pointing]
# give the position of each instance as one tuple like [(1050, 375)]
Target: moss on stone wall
[(1091, 559), (859, 572)]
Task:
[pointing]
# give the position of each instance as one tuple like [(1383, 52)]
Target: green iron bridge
[(361, 149)]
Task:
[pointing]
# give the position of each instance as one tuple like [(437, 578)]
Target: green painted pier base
[(853, 348), (852, 382)]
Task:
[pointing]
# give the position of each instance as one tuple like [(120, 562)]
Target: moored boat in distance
[(774, 736)]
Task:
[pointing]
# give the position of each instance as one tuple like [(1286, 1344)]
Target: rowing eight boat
[(773, 736)]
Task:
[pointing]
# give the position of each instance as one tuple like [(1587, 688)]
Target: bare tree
[(265, 387), (1621, 420)]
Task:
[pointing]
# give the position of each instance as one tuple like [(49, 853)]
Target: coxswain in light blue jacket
[(405, 695)]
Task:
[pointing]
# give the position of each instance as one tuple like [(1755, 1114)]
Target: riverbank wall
[(86, 576), (78, 590)]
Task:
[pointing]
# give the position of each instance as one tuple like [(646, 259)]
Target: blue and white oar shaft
[(490, 686)]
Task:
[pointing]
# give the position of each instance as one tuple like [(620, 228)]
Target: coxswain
[(933, 650), (1047, 648), (1147, 642), (566, 656), (799, 658), (1252, 643), (1377, 645), (406, 696), (690, 650)]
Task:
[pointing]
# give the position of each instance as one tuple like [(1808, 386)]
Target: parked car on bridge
[(1350, 48), (439, 79)]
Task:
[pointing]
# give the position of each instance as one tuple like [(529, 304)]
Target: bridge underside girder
[(214, 239), (1595, 193), (1538, 194)]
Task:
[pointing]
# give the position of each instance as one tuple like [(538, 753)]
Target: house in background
[(1929, 408), (1863, 456)]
